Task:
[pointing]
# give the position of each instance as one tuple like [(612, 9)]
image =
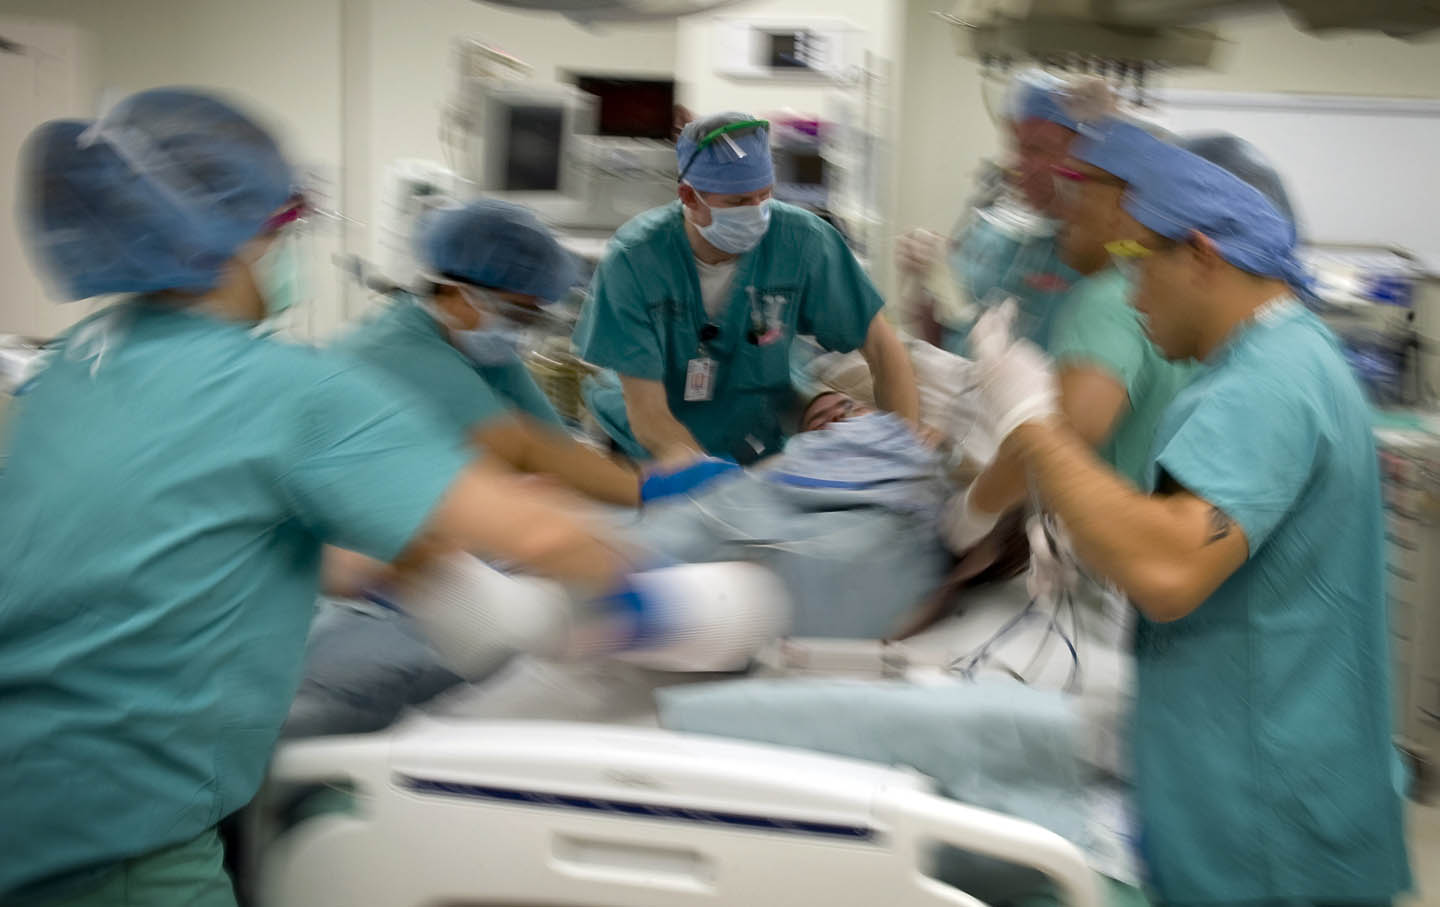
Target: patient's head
[(829, 407)]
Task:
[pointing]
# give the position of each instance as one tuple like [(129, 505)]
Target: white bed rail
[(583, 815)]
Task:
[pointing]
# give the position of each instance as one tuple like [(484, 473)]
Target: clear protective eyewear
[(1127, 254), (546, 318), (741, 127)]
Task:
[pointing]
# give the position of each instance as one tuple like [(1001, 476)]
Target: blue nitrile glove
[(662, 483), (637, 602), (645, 613)]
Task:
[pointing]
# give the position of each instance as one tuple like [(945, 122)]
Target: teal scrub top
[(1095, 326), (645, 314), (407, 344), (1262, 733), (163, 517), (992, 265)]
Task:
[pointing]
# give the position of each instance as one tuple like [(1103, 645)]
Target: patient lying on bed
[(846, 516), (1025, 722)]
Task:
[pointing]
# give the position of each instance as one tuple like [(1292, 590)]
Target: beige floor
[(1424, 829)]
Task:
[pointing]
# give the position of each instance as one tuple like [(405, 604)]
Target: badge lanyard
[(700, 371), (766, 326)]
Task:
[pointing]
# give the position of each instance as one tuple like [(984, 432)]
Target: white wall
[(944, 132), (49, 78), (1266, 53)]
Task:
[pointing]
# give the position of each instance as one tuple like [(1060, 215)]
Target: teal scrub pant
[(1118, 894), (191, 874), (1113, 894), (1289, 903)]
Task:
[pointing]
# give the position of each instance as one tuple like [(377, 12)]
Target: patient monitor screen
[(533, 148), (634, 108), (808, 169)]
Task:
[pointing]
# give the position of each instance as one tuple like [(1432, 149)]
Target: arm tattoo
[(1219, 525)]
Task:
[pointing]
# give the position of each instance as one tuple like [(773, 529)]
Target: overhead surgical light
[(1075, 36), (587, 12), (1126, 40)]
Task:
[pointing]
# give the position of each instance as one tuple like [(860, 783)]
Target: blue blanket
[(846, 517)]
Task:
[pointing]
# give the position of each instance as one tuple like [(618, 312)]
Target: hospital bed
[(551, 785), (564, 814)]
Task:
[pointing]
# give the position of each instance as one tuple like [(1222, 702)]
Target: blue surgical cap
[(1245, 161), (156, 195), (1038, 95), (495, 244), (1177, 192), (1119, 147), (733, 164)]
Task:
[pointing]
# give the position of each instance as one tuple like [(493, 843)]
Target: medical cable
[(967, 664)]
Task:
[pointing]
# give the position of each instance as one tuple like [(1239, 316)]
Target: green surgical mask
[(277, 276)]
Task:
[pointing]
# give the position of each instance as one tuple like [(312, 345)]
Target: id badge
[(700, 380)]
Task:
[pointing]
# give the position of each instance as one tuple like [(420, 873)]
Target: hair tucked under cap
[(495, 244), (158, 194)]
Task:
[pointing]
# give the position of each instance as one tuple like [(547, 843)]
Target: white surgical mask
[(491, 346), (736, 230), (497, 341)]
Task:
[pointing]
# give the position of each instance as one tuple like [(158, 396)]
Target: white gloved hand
[(701, 617), (917, 251), (962, 526), (475, 616), (1052, 560), (1017, 380), (991, 334)]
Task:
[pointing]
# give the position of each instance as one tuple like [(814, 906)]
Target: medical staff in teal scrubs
[(1265, 771), (169, 481), (1114, 383), (495, 274), (1007, 245), (695, 306)]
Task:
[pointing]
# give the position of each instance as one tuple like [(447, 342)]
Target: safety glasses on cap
[(728, 132), (295, 210), (546, 317)]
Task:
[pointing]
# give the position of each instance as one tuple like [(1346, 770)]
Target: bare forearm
[(895, 389), (582, 468), (667, 440), (1000, 487), (499, 516), (347, 574), (917, 303), (1127, 536)]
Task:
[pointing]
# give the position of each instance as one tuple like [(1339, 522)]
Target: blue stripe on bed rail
[(638, 810)]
